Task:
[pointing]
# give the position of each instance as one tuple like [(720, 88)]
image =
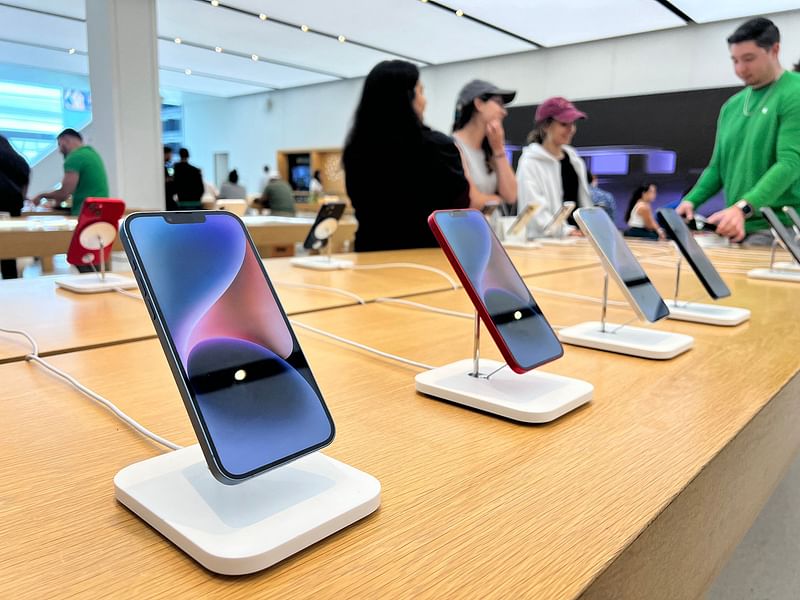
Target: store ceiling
[(276, 52)]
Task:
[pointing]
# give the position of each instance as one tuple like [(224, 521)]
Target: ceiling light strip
[(75, 51), (248, 56), (266, 86), (309, 29), (675, 10), (43, 12), (464, 15)]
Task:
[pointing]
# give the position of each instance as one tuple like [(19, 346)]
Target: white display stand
[(562, 241), (321, 263), (243, 528), (774, 272), (521, 245), (532, 397), (786, 266), (96, 236)]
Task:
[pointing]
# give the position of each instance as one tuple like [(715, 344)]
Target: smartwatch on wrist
[(745, 207)]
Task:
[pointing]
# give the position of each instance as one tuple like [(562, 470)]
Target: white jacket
[(539, 182)]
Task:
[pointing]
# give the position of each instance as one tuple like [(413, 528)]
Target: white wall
[(252, 128)]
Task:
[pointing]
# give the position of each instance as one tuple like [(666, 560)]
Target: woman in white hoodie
[(550, 172)]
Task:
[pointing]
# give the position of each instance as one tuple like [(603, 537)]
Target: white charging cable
[(128, 294), (405, 265), (34, 357), (427, 307), (321, 288)]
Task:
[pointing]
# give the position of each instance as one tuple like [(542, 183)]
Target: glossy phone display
[(102, 215), (503, 301), (620, 263), (558, 220), (324, 226), (522, 219), (678, 232), (786, 237), (245, 382)]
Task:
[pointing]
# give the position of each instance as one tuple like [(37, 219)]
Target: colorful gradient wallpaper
[(250, 381)]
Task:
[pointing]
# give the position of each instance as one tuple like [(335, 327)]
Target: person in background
[(278, 197), (84, 174), (426, 171), (756, 157), (169, 180), (639, 215), (188, 181), (549, 171), (797, 67), (231, 188), (14, 178), (315, 189), (210, 192), (601, 197), (478, 133), (264, 180)]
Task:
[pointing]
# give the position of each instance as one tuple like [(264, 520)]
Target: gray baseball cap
[(477, 88)]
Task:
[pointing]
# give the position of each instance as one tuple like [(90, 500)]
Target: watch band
[(745, 207)]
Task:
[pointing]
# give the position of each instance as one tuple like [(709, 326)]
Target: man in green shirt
[(278, 197), (756, 155), (84, 173)]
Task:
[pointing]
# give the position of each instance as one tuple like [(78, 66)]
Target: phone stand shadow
[(244, 528)]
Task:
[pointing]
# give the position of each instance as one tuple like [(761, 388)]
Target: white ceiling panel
[(55, 60), (26, 26), (560, 22), (69, 8), (406, 27), (199, 84), (248, 34), (703, 11), (182, 56)]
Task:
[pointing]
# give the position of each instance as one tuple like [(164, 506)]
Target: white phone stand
[(559, 241), (96, 236), (244, 528), (710, 314), (775, 272), (521, 244), (323, 231), (624, 339), (533, 397)]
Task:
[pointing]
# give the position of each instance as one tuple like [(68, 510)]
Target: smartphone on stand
[(786, 238), (557, 222), (105, 213), (522, 220), (501, 298), (324, 226), (245, 382)]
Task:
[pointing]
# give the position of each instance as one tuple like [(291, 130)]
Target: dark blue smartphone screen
[(495, 280), (249, 380)]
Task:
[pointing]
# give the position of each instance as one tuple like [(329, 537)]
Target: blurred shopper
[(231, 189), (278, 197), (756, 157), (478, 132), (169, 180), (84, 174), (600, 197), (639, 215), (549, 171), (315, 189), (14, 177), (397, 170), (188, 181)]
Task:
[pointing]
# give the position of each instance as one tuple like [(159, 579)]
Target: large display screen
[(479, 257), (249, 380), (620, 263)]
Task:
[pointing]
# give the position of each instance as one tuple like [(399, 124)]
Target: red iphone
[(98, 221), (503, 301)]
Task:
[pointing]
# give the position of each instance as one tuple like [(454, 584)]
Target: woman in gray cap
[(479, 135)]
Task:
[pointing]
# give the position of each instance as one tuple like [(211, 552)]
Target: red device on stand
[(95, 232)]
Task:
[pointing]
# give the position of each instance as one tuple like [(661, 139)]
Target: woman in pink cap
[(550, 172)]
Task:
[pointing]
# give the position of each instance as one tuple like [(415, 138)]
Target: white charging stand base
[(521, 245), (565, 241), (533, 397), (91, 283), (775, 275), (786, 266), (250, 526), (634, 341), (321, 263), (710, 314)]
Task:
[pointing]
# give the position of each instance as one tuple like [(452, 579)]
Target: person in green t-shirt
[(84, 173), (756, 156), (278, 198)]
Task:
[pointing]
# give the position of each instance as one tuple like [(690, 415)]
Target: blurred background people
[(231, 187), (424, 172), (14, 178), (601, 197), (478, 132), (639, 214), (550, 172), (169, 181), (188, 181), (278, 197), (315, 189)]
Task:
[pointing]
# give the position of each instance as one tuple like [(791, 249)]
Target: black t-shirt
[(187, 182), (14, 176), (569, 183), (393, 190)]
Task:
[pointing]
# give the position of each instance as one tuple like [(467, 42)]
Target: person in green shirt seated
[(84, 173), (756, 157), (278, 198)]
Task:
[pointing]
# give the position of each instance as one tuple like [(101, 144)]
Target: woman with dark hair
[(231, 189), (550, 172), (639, 214), (425, 166), (479, 135)]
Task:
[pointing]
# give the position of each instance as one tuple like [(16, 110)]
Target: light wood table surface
[(640, 494)]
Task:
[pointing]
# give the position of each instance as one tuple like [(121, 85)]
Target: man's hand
[(686, 210), (729, 222)]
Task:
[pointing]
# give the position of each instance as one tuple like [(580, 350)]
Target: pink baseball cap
[(560, 109)]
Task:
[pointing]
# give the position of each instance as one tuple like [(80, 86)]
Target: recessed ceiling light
[(187, 71), (254, 56), (304, 27), (262, 16), (178, 40), (71, 51), (214, 2), (217, 49), (342, 39), (459, 13)]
